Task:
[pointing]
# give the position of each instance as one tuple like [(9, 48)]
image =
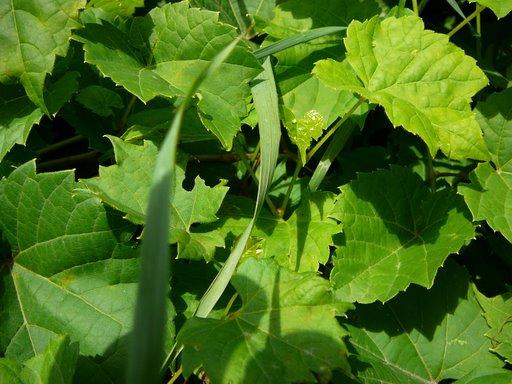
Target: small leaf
[(100, 100), (423, 336), (498, 313), (285, 329), (424, 82), (489, 196), (34, 33), (397, 232)]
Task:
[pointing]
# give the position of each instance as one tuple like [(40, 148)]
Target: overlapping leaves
[(165, 51), (125, 186), (33, 34), (424, 82), (284, 330), (424, 336), (489, 195), (72, 272)]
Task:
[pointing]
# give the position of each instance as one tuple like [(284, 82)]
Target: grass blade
[(299, 38), (266, 103), (147, 349), (335, 146)]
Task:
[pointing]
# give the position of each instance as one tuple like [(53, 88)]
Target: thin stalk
[(422, 5), (176, 376), (282, 210), (230, 304), (479, 35), (65, 161), (126, 113), (331, 131), (430, 172), (415, 7), (478, 10), (60, 145)]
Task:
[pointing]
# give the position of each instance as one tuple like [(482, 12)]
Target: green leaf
[(500, 7), (116, 7), (285, 329), (100, 100), (424, 82), (423, 336), (71, 272), (55, 365), (489, 196), (173, 45), (299, 243), (397, 232), (125, 186), (494, 376), (18, 114), (34, 33), (498, 313), (309, 105)]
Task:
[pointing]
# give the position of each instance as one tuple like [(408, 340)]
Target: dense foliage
[(346, 165)]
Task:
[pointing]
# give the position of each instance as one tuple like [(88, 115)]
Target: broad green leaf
[(71, 271), (489, 196), (33, 33), (500, 7), (498, 313), (299, 243), (117, 7), (494, 376), (309, 105), (18, 114), (285, 329), (423, 336), (172, 46), (397, 232), (100, 100), (424, 82), (125, 186), (55, 365)]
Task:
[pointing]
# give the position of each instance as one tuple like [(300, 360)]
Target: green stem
[(430, 172), (230, 304), (331, 131), (415, 7), (176, 376), (126, 113), (478, 10), (60, 145), (282, 210), (66, 161)]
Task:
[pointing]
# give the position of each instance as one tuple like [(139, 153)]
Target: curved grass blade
[(266, 102), (299, 38), (147, 350)]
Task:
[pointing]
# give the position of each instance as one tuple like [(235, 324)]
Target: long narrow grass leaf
[(147, 350), (456, 8), (335, 146), (299, 38), (266, 103)]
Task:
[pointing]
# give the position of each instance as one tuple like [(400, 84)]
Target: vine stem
[(127, 112), (333, 129), (282, 210), (60, 144), (478, 10), (176, 376), (415, 7)]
